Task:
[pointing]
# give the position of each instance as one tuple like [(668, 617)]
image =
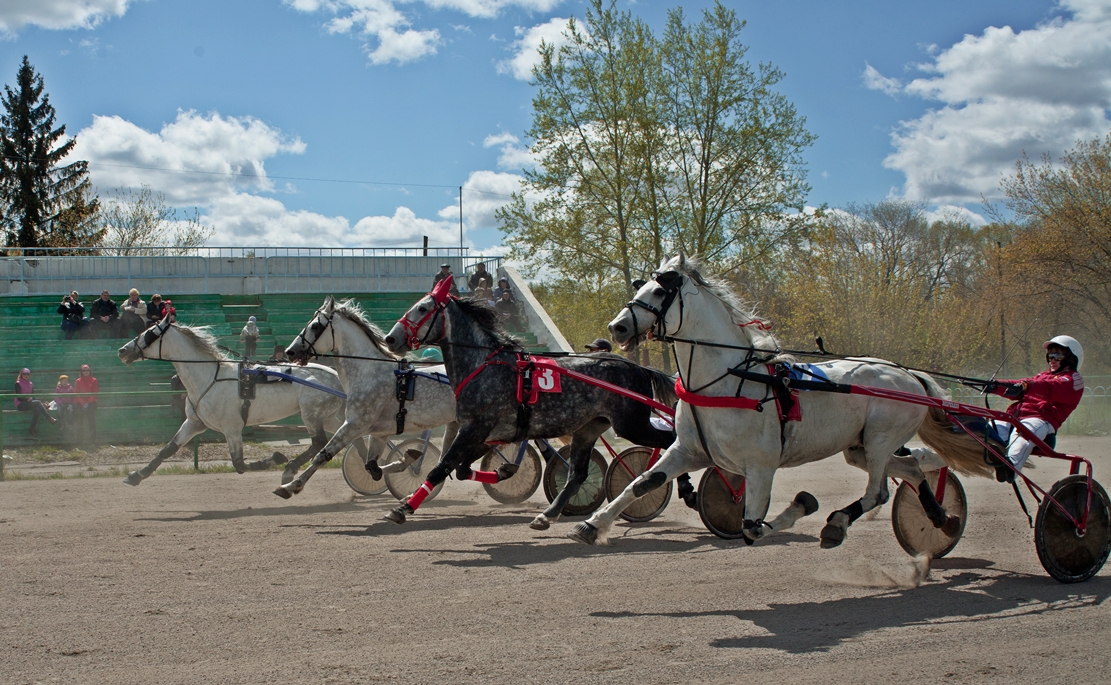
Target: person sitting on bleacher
[(63, 402), (24, 401), (507, 309), (503, 287), (105, 316), (73, 314), (84, 405), (279, 355), (156, 310), (133, 319)]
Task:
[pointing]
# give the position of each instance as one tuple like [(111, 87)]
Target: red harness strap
[(694, 399), (480, 369)]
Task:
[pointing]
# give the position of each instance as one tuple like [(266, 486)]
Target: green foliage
[(43, 202)]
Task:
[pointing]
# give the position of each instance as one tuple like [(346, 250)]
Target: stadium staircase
[(30, 336)]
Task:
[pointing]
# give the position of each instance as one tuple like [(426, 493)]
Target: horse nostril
[(389, 340), (620, 328)]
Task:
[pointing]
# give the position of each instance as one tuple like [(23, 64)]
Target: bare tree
[(136, 220)]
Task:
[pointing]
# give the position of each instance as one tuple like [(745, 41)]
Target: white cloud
[(1004, 93), (193, 160), (499, 139), (57, 14), (489, 9), (483, 194), (527, 47), (512, 156), (955, 213), (874, 80), (379, 20)]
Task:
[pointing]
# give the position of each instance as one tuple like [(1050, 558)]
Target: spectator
[(249, 337), (507, 308), (156, 310), (85, 403), (600, 345), (25, 401), (503, 287), (279, 355), (73, 314), (133, 319), (105, 316), (63, 402), (445, 272), (479, 274), (482, 293)]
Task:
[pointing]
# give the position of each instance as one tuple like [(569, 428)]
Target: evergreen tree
[(41, 200)]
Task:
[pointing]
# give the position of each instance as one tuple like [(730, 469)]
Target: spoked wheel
[(1065, 554), (624, 470), (590, 495), (354, 470), (522, 484), (405, 482), (721, 509), (914, 530)]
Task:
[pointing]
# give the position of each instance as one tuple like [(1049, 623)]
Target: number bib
[(545, 378)]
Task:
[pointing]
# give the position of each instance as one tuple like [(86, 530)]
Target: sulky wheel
[(590, 496), (622, 471), (721, 510), (914, 530), (355, 473), (405, 482), (1065, 554), (520, 486)]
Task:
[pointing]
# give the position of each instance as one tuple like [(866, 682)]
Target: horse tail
[(959, 451), (663, 387)]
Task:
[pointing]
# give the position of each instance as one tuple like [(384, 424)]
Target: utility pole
[(460, 222)]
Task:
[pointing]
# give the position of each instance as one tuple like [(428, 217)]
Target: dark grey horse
[(482, 364)]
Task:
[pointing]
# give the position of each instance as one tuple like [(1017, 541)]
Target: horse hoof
[(808, 503), (952, 526), (373, 469), (283, 492), (398, 514), (584, 533), (540, 523), (240, 468), (278, 458), (133, 478), (832, 536), (507, 471)]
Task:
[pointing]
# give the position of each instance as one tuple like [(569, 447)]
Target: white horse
[(366, 371), (713, 334), (212, 390)]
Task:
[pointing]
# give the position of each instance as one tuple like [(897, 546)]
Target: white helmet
[(1070, 343)]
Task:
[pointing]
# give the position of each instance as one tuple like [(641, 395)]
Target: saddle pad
[(807, 372)]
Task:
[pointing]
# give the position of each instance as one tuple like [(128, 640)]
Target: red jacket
[(1049, 396), (84, 385)]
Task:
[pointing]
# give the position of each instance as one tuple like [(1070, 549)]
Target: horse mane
[(203, 338), (350, 310), (740, 313), (488, 320)]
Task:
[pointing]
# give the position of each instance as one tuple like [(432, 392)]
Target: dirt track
[(212, 579)]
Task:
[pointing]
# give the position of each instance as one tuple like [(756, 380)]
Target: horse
[(212, 390), (726, 416), (366, 371), (505, 395)]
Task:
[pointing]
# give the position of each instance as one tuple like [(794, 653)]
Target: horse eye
[(659, 292), (422, 310)]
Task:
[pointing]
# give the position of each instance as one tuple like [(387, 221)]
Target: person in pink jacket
[(1043, 402)]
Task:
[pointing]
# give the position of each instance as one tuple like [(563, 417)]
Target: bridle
[(309, 348), (149, 336), (672, 284), (440, 295)]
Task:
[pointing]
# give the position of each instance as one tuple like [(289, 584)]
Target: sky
[(356, 122)]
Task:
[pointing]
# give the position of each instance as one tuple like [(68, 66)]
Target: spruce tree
[(41, 200)]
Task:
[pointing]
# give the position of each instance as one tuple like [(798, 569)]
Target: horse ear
[(682, 258), (329, 304)]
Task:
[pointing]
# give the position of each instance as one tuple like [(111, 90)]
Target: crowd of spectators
[(74, 404), (105, 319)]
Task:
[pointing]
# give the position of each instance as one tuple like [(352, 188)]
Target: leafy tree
[(36, 188), (134, 220)]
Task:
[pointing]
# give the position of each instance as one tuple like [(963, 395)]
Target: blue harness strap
[(430, 375), (294, 379)]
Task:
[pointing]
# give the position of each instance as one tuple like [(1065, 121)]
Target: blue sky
[(930, 101)]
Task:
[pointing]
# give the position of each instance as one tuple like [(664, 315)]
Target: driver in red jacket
[(1044, 401)]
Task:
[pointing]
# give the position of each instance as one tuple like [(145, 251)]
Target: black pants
[(132, 324), (36, 408), (249, 345), (87, 416)]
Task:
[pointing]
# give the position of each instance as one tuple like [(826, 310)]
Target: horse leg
[(582, 442), (192, 427), (319, 440), (674, 461), (877, 459), (469, 444), (909, 469), (339, 441), (758, 495), (235, 450)]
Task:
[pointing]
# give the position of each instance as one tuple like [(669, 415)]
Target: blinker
[(668, 280)]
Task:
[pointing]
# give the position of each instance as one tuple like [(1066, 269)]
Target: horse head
[(422, 324), (311, 341), (647, 311), (146, 345)]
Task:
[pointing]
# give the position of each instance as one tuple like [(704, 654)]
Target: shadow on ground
[(967, 597)]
